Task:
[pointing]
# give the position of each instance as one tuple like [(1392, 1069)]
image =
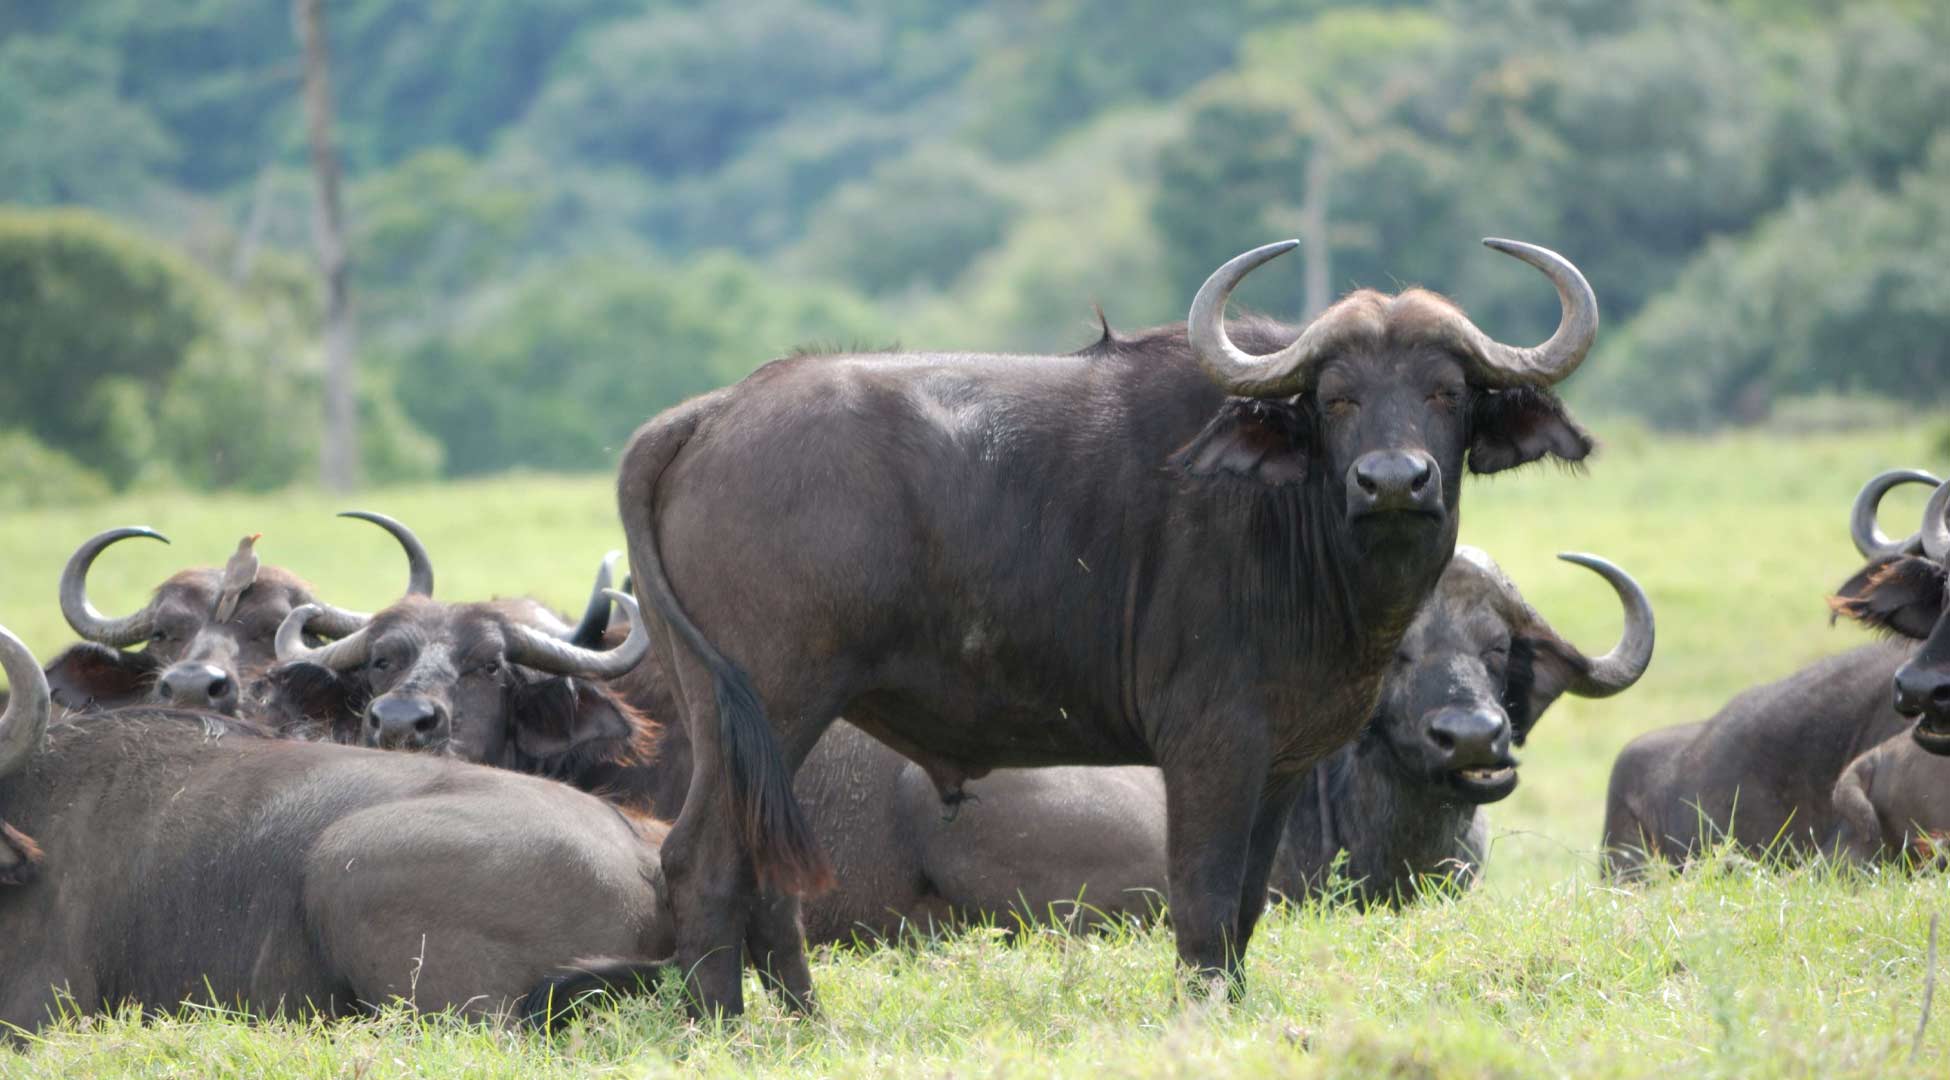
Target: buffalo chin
[(1401, 526), (1489, 784), (1933, 735)]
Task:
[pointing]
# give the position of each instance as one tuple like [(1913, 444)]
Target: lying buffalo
[(1476, 669), (1167, 549), (204, 634), (1762, 771), (158, 856)]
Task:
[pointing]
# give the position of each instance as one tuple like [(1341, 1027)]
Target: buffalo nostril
[(219, 687), (1421, 480), (1366, 482), (1940, 694), (425, 724), (1443, 741), (372, 721)]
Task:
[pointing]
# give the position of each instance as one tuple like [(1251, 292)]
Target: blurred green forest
[(567, 216)]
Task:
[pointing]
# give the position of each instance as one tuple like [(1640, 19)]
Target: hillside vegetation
[(568, 216)]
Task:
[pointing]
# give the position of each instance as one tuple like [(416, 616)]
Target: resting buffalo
[(1476, 669), (158, 856), (1167, 549), (1762, 771), (191, 657)]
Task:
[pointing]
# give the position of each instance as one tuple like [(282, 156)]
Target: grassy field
[(1736, 970)]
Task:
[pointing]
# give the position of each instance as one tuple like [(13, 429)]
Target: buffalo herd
[(916, 641)]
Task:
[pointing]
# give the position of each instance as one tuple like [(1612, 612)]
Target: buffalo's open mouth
[(1484, 783), (1932, 733)]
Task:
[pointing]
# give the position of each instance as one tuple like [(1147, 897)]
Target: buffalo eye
[(381, 663), (1447, 398), (492, 667)]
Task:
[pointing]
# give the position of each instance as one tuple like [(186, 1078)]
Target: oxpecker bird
[(238, 574)]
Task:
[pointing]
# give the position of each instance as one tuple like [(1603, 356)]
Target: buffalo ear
[(1539, 671), (558, 716), (90, 675), (1253, 439), (1515, 427), (313, 701), (20, 856), (1902, 596)]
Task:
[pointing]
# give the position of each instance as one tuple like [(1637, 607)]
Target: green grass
[(1733, 971)]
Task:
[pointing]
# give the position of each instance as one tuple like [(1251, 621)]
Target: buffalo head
[(203, 632), (501, 682), (1382, 397), (1901, 591), (1478, 666)]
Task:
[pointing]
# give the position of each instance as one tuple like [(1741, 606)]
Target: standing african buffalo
[(1476, 669), (1163, 550), (191, 657), (159, 856), (1763, 770)]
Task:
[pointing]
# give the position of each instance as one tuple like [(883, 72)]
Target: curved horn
[(595, 617), (1627, 661), (532, 648), (342, 655), (338, 622), (25, 720), (81, 615), (1862, 526), (1502, 366), (1936, 528), (1236, 371)]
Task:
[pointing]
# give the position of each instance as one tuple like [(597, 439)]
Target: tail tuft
[(784, 851)]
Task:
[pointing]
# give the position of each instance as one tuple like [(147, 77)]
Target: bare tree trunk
[(1313, 217), (339, 457)]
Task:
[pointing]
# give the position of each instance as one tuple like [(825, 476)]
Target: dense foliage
[(568, 216)]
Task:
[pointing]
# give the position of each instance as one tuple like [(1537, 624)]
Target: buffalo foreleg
[(1212, 805), (1275, 805)]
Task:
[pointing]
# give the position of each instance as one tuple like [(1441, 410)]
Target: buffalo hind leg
[(775, 936), (775, 940), (706, 867), (1212, 804)]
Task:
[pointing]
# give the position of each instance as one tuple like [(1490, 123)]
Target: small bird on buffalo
[(238, 575)]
